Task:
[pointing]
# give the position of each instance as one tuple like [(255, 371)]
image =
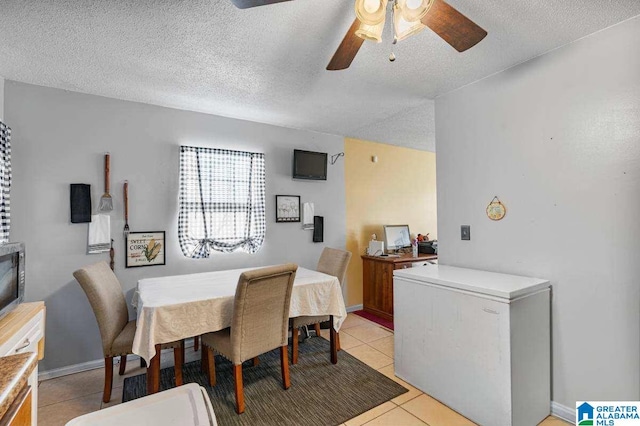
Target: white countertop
[(473, 280)]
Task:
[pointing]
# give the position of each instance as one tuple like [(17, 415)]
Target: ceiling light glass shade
[(371, 12), (371, 32), (404, 28), (414, 10)]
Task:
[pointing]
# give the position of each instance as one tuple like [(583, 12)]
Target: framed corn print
[(145, 249)]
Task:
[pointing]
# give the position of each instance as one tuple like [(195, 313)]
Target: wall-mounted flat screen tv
[(309, 165)]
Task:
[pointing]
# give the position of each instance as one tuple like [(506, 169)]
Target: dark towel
[(318, 229), (80, 203)]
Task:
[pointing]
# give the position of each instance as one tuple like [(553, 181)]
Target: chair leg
[(123, 364), (203, 360), (284, 366), (237, 378), (256, 361), (196, 343), (332, 341), (211, 365), (316, 326), (294, 345), (108, 379), (182, 348), (178, 360)]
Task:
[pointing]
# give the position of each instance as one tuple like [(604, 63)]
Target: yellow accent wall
[(398, 189)]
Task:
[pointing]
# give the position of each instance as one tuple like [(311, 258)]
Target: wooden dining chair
[(110, 308), (332, 262), (259, 325)]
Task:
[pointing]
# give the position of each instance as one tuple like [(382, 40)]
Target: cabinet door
[(385, 287), (377, 287), (19, 413), (368, 275)]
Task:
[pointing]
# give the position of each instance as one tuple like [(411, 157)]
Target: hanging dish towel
[(307, 215), (99, 233)]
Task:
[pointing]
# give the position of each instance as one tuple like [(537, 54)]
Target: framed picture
[(287, 208), (145, 249)]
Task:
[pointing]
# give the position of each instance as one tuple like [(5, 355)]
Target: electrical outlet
[(465, 232)]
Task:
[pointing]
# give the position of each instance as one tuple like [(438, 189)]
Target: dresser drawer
[(403, 265), (26, 338)]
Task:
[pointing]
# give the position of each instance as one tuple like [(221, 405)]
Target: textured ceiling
[(267, 64)]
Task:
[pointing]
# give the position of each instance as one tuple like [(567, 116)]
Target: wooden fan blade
[(246, 4), (452, 26), (347, 50)]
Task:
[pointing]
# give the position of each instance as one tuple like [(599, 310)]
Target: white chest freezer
[(476, 341), (187, 405)]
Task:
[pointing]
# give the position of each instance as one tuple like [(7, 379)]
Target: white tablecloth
[(182, 306)]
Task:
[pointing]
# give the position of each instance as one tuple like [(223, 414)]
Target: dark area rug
[(321, 393), (371, 317)]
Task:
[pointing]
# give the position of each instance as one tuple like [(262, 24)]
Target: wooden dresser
[(377, 280), (22, 332)]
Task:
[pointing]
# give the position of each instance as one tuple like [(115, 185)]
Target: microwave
[(11, 276)]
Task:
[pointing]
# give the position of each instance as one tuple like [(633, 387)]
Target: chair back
[(334, 262), (107, 300), (261, 311)]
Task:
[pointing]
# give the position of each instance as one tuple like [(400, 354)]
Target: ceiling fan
[(409, 17)]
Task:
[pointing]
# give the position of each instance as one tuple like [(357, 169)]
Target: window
[(5, 181), (222, 201)]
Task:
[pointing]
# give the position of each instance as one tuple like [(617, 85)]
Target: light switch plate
[(465, 232)]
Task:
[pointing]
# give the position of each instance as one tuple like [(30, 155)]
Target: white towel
[(99, 233), (307, 216)]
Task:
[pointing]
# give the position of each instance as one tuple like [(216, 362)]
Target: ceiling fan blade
[(246, 4), (452, 26), (347, 50)]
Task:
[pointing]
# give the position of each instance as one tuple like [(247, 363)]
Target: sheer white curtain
[(5, 181), (222, 201)]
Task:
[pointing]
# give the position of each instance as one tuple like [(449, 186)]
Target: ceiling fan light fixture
[(414, 10), (371, 32), (371, 12), (404, 28)]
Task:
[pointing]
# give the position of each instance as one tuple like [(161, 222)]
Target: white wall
[(60, 137), (412, 128), (558, 140)]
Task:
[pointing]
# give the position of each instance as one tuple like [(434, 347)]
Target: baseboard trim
[(90, 365), (563, 412), (71, 369), (354, 308)]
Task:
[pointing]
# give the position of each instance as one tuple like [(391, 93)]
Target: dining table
[(173, 308)]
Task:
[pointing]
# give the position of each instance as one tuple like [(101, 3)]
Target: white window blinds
[(222, 201)]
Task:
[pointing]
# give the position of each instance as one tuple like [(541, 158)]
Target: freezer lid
[(184, 405), (483, 282)]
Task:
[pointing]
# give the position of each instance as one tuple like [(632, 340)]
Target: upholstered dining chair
[(110, 308), (332, 262), (259, 325)]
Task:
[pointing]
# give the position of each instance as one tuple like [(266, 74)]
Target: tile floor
[(64, 398)]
